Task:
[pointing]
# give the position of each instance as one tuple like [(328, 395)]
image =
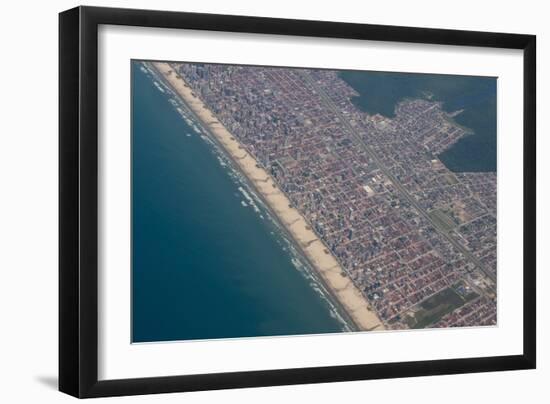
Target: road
[(403, 192)]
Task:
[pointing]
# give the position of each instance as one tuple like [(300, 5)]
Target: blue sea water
[(379, 92), (204, 265)]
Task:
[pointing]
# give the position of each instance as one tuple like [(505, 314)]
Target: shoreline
[(342, 290)]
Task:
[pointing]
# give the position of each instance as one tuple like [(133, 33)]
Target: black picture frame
[(78, 201)]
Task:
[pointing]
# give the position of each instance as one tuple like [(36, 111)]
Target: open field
[(442, 219), (440, 304)]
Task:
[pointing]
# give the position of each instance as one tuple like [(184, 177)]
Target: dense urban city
[(417, 239)]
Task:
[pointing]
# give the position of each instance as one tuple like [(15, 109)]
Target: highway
[(352, 131)]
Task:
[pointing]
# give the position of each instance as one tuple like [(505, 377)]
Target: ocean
[(379, 92), (208, 261)]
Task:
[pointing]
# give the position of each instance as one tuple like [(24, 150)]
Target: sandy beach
[(342, 288)]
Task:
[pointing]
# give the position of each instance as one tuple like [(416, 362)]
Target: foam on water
[(259, 206)]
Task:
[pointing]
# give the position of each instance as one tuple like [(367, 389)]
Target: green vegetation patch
[(451, 179), (434, 308), (442, 219)]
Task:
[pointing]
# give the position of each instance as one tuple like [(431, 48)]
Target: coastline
[(342, 289)]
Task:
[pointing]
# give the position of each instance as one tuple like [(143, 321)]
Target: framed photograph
[(251, 201)]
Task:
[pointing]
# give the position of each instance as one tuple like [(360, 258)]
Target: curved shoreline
[(342, 290)]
